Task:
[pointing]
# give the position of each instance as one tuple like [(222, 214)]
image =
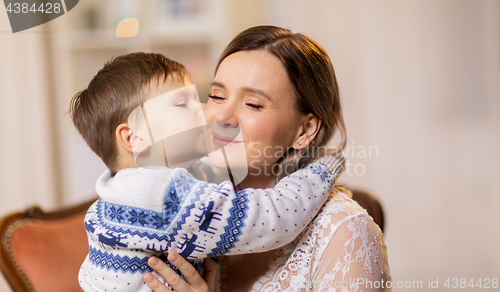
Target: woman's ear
[(128, 139), (308, 132)]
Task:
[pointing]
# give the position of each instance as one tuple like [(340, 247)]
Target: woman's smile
[(224, 141)]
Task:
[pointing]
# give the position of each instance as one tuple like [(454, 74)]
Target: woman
[(280, 89)]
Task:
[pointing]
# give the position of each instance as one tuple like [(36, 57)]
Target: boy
[(152, 210)]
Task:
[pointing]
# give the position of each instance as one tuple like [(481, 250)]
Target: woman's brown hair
[(316, 90)]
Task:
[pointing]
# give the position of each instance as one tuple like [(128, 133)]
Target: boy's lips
[(223, 141)]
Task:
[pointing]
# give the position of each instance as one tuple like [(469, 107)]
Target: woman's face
[(252, 93)]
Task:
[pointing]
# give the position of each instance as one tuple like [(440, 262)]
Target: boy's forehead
[(161, 86)]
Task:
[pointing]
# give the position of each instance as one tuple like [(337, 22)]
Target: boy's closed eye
[(179, 100)]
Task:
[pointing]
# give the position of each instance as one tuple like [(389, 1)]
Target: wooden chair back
[(44, 251)]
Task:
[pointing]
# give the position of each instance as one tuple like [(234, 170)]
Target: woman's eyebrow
[(218, 84), (245, 89), (257, 91)]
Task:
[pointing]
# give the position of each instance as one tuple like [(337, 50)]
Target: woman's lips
[(223, 141)]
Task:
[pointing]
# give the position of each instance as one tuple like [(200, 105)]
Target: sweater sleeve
[(215, 219)]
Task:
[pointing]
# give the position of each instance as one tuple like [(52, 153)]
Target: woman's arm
[(194, 281), (355, 258)]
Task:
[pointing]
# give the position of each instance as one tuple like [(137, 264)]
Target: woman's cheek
[(258, 127), (253, 151)]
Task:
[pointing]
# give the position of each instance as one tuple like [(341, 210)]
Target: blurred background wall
[(420, 85)]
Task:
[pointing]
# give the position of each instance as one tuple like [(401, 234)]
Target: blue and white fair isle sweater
[(155, 210)]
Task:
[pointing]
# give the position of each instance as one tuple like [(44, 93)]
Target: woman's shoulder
[(340, 207), (349, 238)]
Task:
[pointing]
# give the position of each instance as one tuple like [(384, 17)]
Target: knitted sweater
[(155, 210)]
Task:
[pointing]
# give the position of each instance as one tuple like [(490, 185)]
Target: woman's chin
[(234, 162), (217, 159)]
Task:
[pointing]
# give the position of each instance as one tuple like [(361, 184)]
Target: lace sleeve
[(355, 259), (342, 249)]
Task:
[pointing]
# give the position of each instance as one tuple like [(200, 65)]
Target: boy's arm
[(216, 220)]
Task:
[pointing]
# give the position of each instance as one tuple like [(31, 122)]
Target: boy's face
[(174, 116)]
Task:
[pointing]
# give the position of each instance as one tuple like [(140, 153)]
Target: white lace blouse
[(342, 249)]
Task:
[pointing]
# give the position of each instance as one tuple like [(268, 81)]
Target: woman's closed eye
[(254, 105), (215, 97), (181, 104)]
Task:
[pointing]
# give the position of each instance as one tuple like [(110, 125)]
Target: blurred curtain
[(27, 161)]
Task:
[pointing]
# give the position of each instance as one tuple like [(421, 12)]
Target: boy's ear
[(128, 139), (308, 132)]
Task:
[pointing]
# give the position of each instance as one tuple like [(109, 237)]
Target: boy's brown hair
[(118, 88)]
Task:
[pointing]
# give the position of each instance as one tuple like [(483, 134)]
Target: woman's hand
[(194, 280)]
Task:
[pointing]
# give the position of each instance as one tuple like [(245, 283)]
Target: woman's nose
[(227, 115)]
